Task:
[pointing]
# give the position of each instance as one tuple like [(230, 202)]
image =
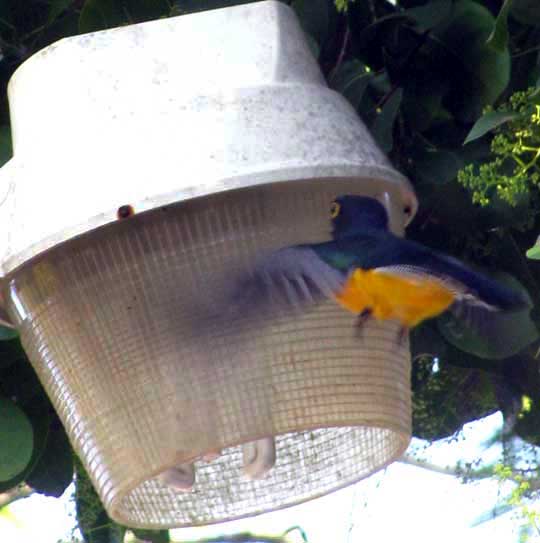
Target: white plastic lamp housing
[(150, 160)]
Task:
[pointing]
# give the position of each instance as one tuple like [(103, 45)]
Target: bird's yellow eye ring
[(335, 208)]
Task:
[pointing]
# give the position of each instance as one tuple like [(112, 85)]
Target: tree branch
[(15, 494)]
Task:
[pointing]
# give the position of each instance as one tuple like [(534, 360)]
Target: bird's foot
[(401, 335), (259, 457), (361, 321), (180, 478)]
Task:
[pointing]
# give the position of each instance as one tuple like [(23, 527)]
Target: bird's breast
[(406, 298)]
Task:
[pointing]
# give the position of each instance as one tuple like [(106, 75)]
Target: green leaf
[(534, 252), (430, 14), (7, 333), (101, 14), (351, 80), (476, 73), (437, 166), (20, 382), (510, 333), (161, 536), (383, 126), (313, 16), (56, 8), (526, 12), (195, 6), (6, 150), (10, 351), (16, 439), (422, 103), (6, 16), (40, 414), (372, 32), (498, 39), (488, 122), (53, 472)]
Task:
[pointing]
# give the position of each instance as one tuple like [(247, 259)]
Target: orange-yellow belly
[(405, 299)]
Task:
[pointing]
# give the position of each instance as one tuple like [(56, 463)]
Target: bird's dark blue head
[(353, 215)]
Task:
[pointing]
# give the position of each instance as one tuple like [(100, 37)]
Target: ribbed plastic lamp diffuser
[(150, 161)]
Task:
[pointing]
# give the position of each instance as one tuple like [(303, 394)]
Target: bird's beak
[(387, 203), (391, 207)]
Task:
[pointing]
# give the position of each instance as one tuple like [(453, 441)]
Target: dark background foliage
[(420, 74)]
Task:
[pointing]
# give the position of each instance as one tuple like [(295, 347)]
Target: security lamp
[(142, 174)]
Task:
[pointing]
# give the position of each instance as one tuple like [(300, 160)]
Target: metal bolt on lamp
[(143, 173)]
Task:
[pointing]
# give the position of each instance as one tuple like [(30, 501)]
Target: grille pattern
[(106, 319)]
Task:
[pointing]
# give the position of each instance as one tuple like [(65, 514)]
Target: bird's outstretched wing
[(287, 281), (479, 302)]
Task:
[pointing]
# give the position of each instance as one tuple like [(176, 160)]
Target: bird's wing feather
[(479, 302), (287, 281), (405, 256), (293, 277)]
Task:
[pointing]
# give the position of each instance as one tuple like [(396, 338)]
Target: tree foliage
[(513, 173), (449, 89)]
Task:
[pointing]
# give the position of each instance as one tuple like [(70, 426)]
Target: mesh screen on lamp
[(139, 396), (194, 165)]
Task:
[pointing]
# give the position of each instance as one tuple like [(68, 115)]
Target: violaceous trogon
[(371, 272)]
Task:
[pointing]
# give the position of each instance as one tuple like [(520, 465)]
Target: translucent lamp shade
[(106, 322), (194, 166)]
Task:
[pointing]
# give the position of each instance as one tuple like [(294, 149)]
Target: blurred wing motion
[(372, 272), (288, 281), (477, 301)]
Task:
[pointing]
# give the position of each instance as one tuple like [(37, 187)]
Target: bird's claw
[(401, 335), (180, 478), (361, 320), (259, 457)]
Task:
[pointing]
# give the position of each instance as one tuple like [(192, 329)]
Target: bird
[(369, 271)]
